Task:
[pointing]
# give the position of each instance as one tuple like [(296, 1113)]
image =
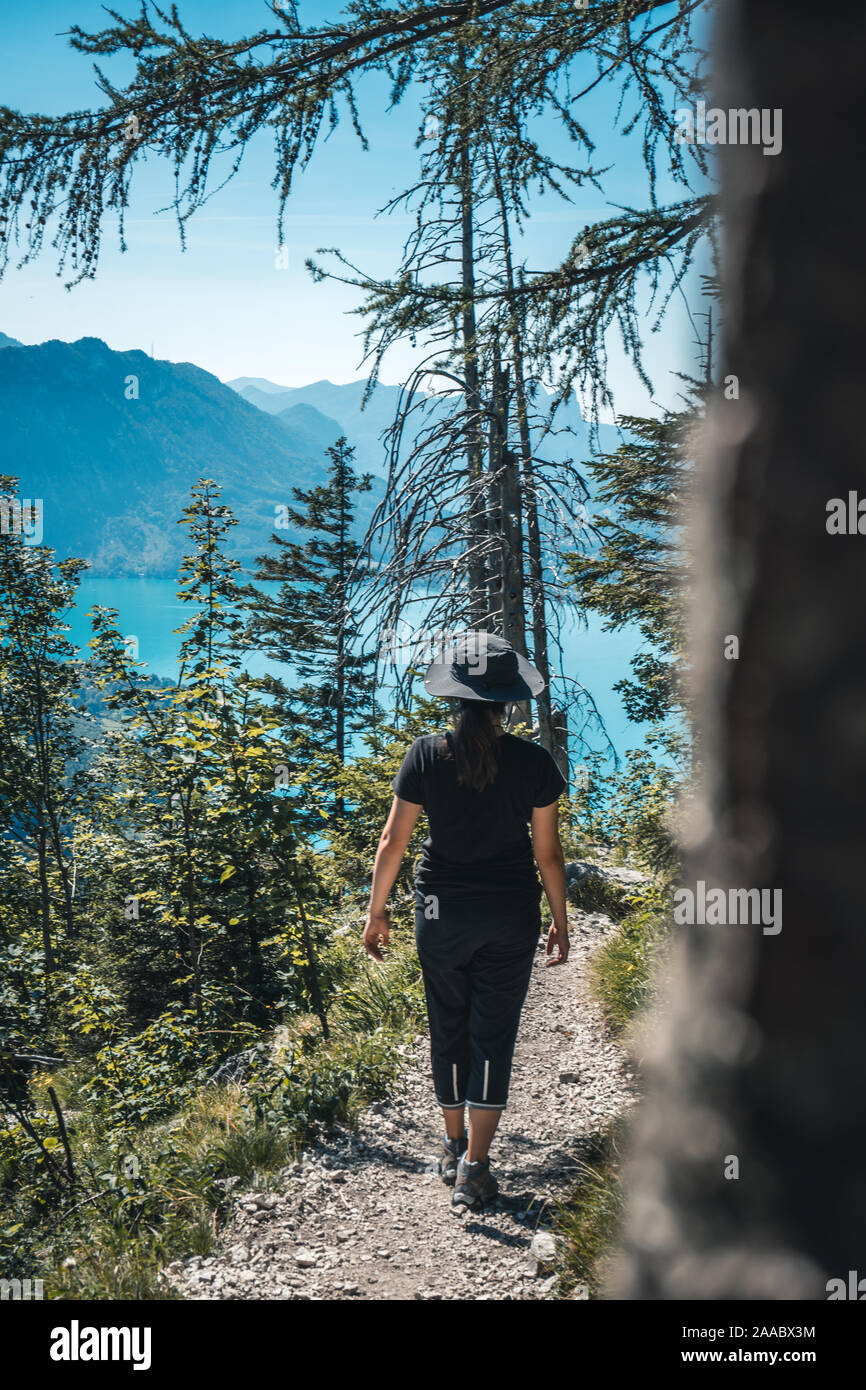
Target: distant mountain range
[(112, 441), (364, 428)]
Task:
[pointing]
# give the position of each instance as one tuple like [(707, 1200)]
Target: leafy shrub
[(327, 1087), (630, 810), (622, 970), (158, 1155), (640, 813), (147, 1075)]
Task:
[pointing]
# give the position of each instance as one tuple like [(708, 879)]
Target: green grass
[(156, 1191), (175, 1204), (622, 972), (587, 1222)]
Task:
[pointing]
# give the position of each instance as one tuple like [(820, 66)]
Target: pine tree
[(311, 622), (211, 842), (40, 732), (636, 574)]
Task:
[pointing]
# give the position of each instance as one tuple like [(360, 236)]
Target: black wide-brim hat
[(481, 666)]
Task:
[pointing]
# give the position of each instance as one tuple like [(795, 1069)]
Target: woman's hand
[(376, 926), (392, 846), (557, 940)]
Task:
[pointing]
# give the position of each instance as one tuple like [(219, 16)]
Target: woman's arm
[(395, 837), (551, 865)]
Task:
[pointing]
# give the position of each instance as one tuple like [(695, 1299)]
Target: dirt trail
[(364, 1215)]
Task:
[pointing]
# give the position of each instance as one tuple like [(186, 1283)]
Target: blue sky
[(224, 303)]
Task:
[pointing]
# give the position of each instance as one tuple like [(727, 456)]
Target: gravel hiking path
[(364, 1215)]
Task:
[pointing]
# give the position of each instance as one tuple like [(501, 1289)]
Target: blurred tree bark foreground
[(759, 1053)]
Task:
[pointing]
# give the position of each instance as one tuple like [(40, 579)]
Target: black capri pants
[(476, 962)]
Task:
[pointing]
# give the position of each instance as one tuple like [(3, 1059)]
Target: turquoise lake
[(149, 610)]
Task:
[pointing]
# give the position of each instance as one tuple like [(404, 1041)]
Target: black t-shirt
[(479, 840)]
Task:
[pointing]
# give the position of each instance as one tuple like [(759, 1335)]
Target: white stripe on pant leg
[(486, 1078), (454, 1074)]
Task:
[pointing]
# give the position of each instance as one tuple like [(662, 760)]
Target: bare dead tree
[(449, 536)]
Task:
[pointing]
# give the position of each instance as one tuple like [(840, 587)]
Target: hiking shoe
[(475, 1183), (451, 1151)]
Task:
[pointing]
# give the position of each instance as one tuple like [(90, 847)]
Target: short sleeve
[(550, 783), (407, 783)]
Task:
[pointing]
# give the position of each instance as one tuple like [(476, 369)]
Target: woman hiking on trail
[(477, 895)]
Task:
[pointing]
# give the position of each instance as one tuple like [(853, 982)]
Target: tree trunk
[(45, 901), (255, 961), (514, 590), (761, 1054), (559, 721), (62, 868), (511, 492), (513, 612), (536, 559), (496, 440), (339, 803), (193, 935), (313, 983), (476, 528)]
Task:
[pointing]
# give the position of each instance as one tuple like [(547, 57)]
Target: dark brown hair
[(475, 743)]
